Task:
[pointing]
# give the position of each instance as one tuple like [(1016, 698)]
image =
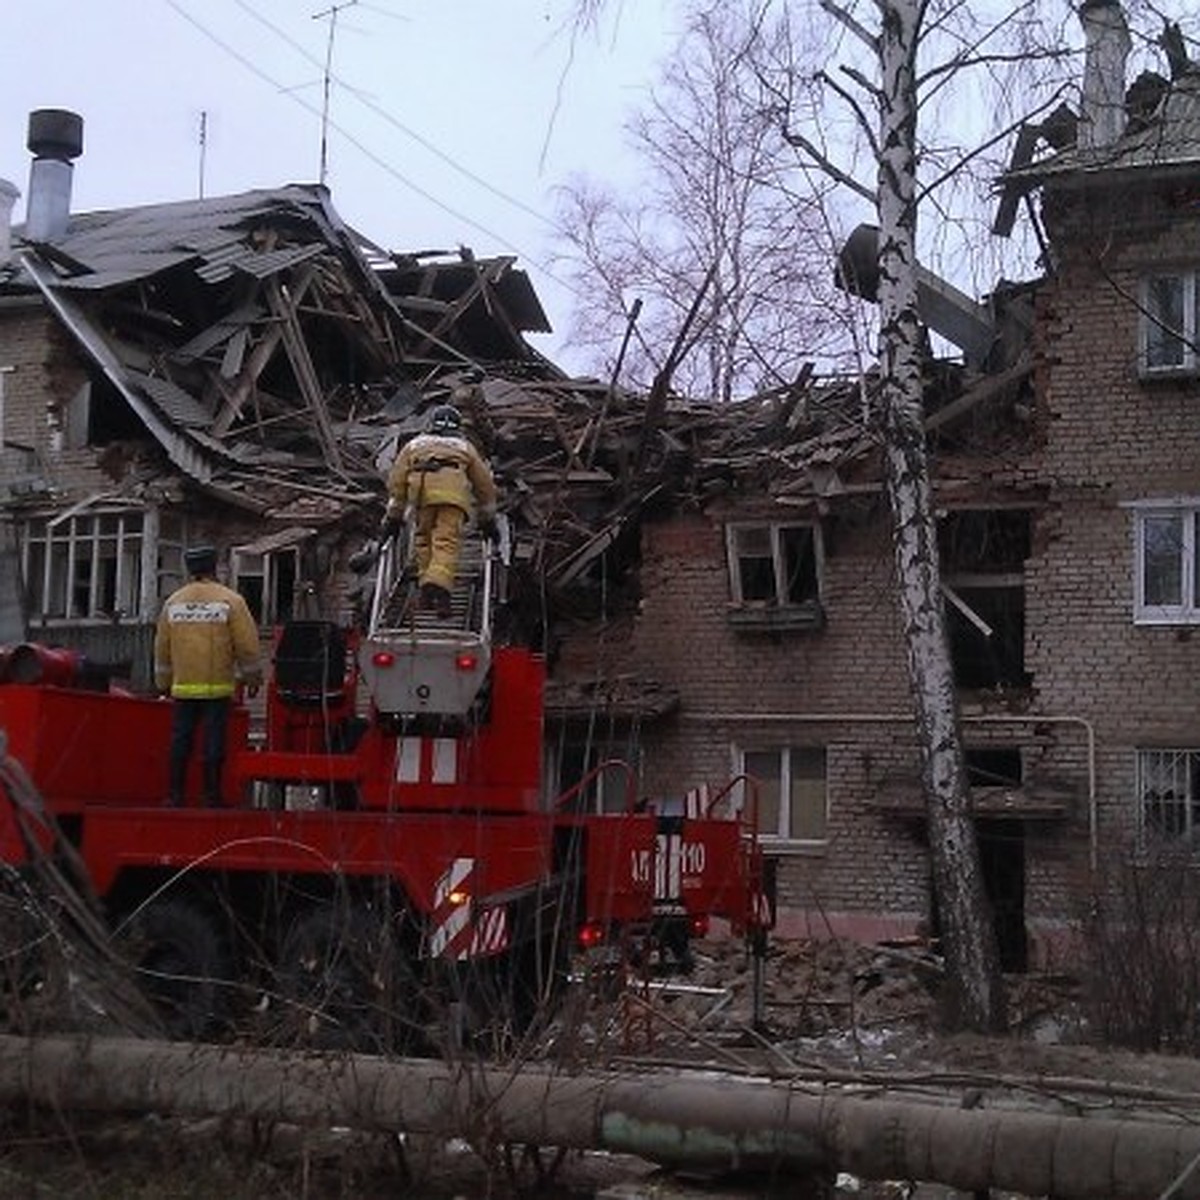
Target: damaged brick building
[(1067, 483), (712, 584)]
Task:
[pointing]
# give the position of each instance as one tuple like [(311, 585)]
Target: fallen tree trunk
[(683, 1118)]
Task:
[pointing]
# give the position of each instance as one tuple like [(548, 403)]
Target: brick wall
[(1101, 439), (1114, 440), (844, 686)]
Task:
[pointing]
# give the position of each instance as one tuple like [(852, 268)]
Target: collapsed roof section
[(273, 354), (258, 339)]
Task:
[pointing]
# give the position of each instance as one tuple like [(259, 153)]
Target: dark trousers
[(188, 714)]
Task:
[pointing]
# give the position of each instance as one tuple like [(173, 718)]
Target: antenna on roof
[(203, 146), (332, 13)]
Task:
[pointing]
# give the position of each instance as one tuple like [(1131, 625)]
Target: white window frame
[(782, 834), (63, 561), (1186, 608), (1153, 331), (1168, 780), (261, 560), (737, 530), (609, 791)]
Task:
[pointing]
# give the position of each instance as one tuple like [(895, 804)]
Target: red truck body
[(436, 828)]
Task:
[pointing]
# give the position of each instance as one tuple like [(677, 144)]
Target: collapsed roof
[(257, 339), (275, 356)]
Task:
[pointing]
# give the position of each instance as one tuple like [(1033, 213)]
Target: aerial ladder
[(416, 664)]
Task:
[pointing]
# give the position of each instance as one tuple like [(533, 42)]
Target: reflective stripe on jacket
[(435, 468), (205, 638)]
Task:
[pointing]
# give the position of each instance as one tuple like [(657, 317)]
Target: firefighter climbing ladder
[(416, 662)]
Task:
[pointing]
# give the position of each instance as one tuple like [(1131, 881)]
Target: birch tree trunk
[(968, 939)]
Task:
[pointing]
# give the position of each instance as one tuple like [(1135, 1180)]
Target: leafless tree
[(720, 217), (922, 51), (893, 75)]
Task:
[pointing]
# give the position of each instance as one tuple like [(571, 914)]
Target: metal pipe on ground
[(683, 1119)]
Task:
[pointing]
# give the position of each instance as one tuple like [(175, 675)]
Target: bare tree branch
[(800, 142), (843, 18)]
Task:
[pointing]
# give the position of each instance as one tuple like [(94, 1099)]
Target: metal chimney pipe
[(55, 138), (8, 197), (1106, 51)]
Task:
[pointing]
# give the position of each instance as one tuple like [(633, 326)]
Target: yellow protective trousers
[(436, 540)]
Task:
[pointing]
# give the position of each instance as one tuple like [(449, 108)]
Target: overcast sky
[(451, 121)]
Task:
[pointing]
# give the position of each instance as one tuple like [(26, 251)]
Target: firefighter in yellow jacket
[(436, 480), (205, 641)]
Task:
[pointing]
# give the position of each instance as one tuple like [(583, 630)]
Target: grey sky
[(451, 120)]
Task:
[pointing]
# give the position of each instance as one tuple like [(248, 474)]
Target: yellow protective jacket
[(437, 468), (205, 639)]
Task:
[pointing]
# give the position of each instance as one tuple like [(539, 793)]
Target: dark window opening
[(980, 539), (987, 649), (109, 417), (284, 586), (251, 588), (983, 553), (994, 767), (799, 564)]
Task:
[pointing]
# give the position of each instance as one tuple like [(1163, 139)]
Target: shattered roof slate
[(120, 245), (180, 406), (179, 363)]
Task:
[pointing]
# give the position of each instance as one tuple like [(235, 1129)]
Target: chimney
[(8, 197), (1106, 50), (55, 138)]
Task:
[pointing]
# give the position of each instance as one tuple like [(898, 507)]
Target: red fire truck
[(383, 853)]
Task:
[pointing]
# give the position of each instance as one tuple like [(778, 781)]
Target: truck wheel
[(181, 963), (347, 984)]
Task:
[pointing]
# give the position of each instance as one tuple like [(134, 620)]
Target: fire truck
[(383, 853)]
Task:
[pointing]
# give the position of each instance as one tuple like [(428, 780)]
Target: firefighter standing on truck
[(205, 641), (434, 481)]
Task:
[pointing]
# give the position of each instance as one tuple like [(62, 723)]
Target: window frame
[(780, 612), (575, 754), (775, 531), (63, 572), (1152, 328), (263, 562), (782, 836), (1187, 610), (1188, 804)]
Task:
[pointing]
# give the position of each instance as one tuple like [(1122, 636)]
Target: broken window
[(775, 569), (789, 783), (1168, 791), (1169, 325), (1166, 590), (994, 767), (85, 566), (267, 574), (983, 554), (267, 582)]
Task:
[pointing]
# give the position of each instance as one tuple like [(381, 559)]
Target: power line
[(360, 146), (383, 114)]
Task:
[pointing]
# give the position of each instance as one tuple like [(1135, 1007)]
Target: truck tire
[(345, 982), (181, 962)]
